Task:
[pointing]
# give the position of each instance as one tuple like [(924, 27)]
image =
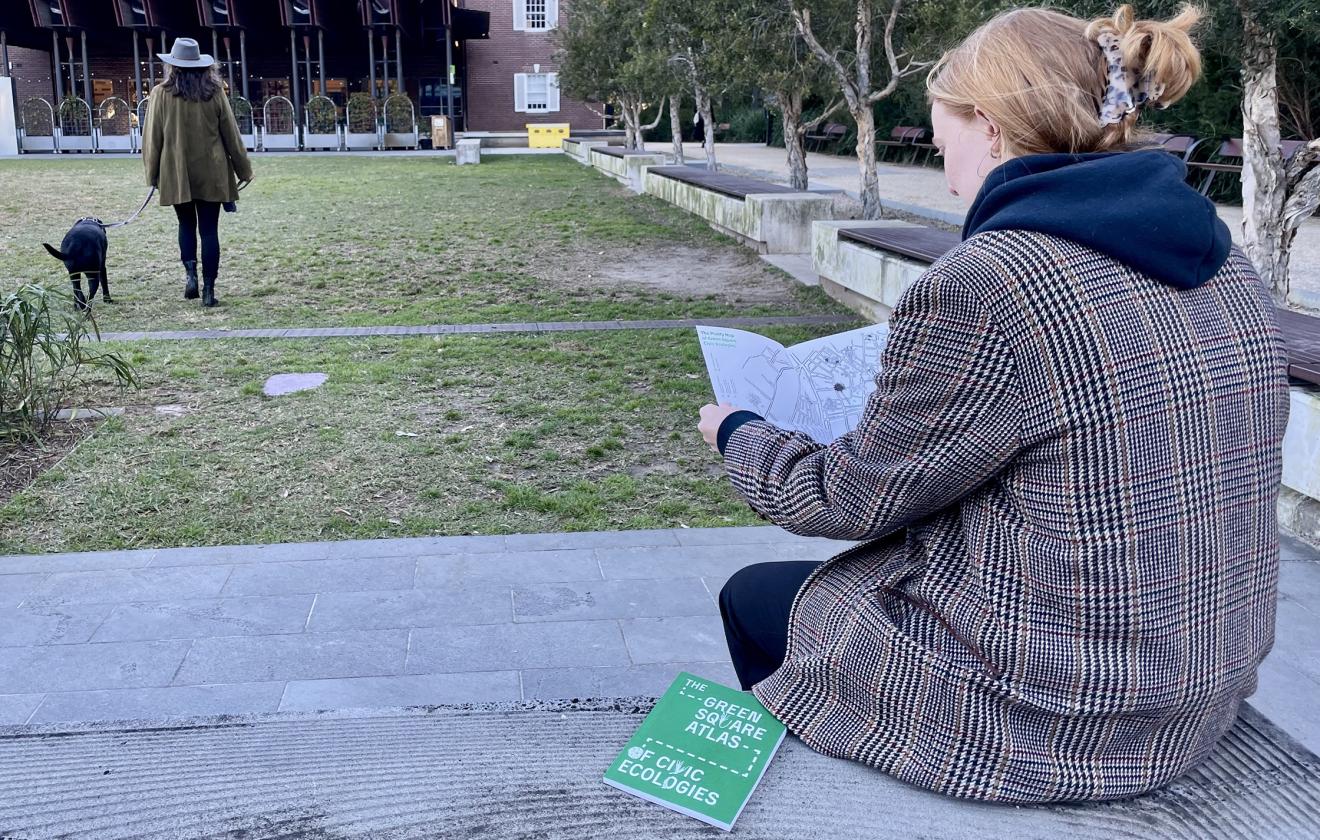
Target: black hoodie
[(1135, 207)]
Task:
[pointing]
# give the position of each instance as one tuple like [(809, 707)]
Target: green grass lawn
[(409, 436), (325, 241)]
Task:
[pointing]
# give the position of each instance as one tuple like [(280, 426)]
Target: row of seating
[(913, 141)]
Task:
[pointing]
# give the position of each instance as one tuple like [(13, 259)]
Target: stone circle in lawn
[(290, 383)]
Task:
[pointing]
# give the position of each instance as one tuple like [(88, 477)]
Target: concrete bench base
[(773, 223), (534, 770), (628, 170), (865, 279), (1299, 503), (468, 151), (578, 149)]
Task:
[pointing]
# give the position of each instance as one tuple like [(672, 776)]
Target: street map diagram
[(819, 387)]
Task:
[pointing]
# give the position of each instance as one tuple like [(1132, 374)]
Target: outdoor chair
[(904, 137), (831, 135)]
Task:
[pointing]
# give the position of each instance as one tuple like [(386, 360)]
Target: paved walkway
[(479, 329), (922, 191), (388, 623)]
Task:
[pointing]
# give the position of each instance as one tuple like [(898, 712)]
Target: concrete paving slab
[(14, 588), (797, 266), (1290, 697), (342, 653), (472, 604), (590, 539), (639, 680), (1300, 582), (75, 562), (56, 625), (192, 619), (511, 567), (312, 576), (675, 639), (128, 585), (17, 708), (160, 703), (405, 690), (282, 384), (1297, 638), (492, 647), (611, 599), (81, 667), (464, 772)]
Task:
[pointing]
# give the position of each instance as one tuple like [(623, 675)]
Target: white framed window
[(535, 15), (536, 93)]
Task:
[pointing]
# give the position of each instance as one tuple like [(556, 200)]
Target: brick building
[(488, 63)]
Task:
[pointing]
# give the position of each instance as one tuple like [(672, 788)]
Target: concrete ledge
[(523, 770), (865, 279), (577, 148), (771, 223), (628, 170)]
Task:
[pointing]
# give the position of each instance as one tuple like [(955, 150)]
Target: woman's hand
[(711, 418)]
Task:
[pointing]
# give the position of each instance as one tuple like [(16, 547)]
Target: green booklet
[(701, 751)]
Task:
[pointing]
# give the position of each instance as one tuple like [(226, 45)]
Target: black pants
[(200, 217), (755, 604)]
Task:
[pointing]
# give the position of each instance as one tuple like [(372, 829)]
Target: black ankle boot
[(190, 288), (208, 292)]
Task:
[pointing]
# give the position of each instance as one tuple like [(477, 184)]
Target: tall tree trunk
[(629, 125), (865, 119), (795, 137), (1264, 181), (707, 112), (676, 127)]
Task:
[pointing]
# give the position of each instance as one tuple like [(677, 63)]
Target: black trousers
[(755, 605), (200, 217)]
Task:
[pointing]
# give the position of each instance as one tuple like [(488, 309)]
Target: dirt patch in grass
[(21, 463), (728, 276)]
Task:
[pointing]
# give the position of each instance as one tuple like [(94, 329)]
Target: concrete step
[(534, 770)]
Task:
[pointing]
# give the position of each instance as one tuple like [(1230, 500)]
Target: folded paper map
[(818, 387), (701, 751)]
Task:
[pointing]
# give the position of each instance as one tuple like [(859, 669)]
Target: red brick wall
[(491, 65), (31, 69)]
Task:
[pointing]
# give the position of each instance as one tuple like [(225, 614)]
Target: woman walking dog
[(1065, 481), (195, 157)]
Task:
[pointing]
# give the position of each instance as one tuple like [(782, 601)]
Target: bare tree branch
[(829, 111), (889, 41), (802, 17), (658, 115)]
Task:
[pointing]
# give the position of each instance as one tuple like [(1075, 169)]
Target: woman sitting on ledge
[(1065, 480)]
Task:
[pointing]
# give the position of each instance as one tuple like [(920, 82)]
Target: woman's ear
[(990, 128)]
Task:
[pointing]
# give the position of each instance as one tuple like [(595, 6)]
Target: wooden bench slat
[(1300, 332), (734, 186), (919, 243), (619, 151)]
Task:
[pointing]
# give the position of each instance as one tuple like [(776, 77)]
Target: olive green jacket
[(192, 150)]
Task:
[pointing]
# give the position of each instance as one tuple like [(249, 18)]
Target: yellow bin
[(546, 135)]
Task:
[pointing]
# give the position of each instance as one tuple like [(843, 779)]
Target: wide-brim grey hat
[(186, 53)]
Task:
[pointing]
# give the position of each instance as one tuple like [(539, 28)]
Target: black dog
[(83, 251)]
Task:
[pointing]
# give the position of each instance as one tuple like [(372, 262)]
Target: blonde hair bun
[(1044, 78), (1161, 52)]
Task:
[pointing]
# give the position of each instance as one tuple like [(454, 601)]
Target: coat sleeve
[(233, 141), (946, 416), (153, 137)]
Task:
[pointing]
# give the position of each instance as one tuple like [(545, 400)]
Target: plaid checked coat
[(1066, 479)]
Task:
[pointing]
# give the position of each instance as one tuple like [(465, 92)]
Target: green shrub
[(43, 350)]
